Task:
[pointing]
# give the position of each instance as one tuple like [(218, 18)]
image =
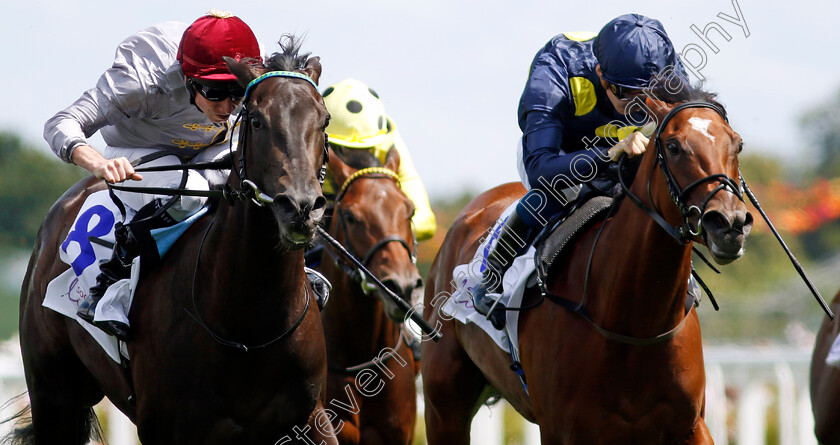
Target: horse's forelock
[(289, 57)]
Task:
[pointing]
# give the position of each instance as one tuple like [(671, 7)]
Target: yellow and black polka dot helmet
[(357, 115)]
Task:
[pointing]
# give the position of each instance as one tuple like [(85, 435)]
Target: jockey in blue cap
[(580, 86)]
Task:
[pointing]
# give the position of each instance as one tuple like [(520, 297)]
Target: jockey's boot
[(514, 239), (320, 285), (118, 267)]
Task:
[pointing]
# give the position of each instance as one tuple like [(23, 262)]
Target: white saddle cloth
[(467, 276), (96, 218), (833, 357)]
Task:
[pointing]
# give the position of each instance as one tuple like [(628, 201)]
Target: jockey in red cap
[(168, 94)]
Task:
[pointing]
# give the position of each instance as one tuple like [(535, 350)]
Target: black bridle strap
[(682, 234), (223, 164), (234, 344), (655, 216), (382, 243), (371, 173), (676, 233)]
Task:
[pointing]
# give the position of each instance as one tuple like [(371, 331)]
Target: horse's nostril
[(285, 204), (419, 283), (748, 220), (714, 221), (320, 203)]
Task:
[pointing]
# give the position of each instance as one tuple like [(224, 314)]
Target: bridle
[(683, 233), (249, 190), (353, 272), (247, 187)]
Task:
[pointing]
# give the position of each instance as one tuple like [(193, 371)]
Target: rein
[(683, 234), (234, 344), (247, 188)]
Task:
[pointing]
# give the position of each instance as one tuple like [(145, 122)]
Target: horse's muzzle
[(725, 232), (298, 216), (403, 287)]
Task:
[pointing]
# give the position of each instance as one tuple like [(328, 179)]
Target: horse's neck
[(650, 278), (355, 324), (249, 276)]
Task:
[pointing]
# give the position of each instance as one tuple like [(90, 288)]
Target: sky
[(449, 72)]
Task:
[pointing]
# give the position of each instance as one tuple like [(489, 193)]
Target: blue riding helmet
[(632, 49)]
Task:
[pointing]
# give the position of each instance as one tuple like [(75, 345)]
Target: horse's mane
[(289, 57), (687, 93)]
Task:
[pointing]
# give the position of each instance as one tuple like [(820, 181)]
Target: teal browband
[(292, 74)]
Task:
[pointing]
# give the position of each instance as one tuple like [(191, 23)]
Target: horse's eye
[(741, 146), (326, 122), (348, 216), (255, 123), (673, 148)]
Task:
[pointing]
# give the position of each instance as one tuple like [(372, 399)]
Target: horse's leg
[(452, 386), (52, 423)]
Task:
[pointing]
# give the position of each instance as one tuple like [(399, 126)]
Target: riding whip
[(402, 304), (793, 260)]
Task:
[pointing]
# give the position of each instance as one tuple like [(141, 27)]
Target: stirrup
[(87, 309), (491, 308), (115, 328), (320, 285)]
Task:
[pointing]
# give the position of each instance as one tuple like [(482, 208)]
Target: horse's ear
[(392, 159), (313, 69), (244, 72), (340, 170)]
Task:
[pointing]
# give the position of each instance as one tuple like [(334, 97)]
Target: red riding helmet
[(209, 38)]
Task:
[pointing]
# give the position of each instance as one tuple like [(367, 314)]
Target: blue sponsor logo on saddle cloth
[(467, 276), (96, 220)]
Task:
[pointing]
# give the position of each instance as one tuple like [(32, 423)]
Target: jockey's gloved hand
[(633, 145)]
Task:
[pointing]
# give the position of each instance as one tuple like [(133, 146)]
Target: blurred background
[(450, 75)]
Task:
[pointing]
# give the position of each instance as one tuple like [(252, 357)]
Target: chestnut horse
[(227, 344), (617, 371), (825, 382), (372, 219)]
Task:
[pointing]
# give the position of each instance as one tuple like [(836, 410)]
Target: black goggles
[(216, 94), (623, 93)]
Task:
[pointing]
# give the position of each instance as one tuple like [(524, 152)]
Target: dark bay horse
[(825, 382), (372, 219), (620, 381), (227, 344)]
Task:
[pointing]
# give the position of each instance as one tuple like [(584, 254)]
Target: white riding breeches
[(184, 206)]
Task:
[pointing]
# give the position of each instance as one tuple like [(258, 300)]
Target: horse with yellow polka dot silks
[(362, 133)]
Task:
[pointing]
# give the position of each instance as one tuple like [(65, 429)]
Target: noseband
[(685, 232), (248, 187), (355, 273)]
